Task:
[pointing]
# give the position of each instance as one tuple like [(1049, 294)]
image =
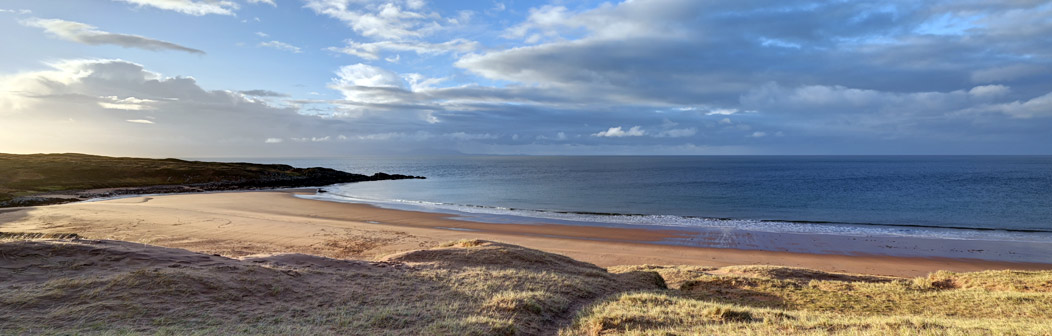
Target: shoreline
[(246, 223), (988, 248)]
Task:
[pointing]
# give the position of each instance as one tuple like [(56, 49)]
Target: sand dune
[(87, 286)]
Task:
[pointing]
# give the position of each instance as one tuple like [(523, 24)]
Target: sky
[(299, 78)]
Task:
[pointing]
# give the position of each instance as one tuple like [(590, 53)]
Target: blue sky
[(198, 78)]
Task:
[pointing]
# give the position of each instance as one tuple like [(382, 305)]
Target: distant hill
[(32, 179)]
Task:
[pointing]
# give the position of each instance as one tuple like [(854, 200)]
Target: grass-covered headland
[(38, 179), (471, 287)]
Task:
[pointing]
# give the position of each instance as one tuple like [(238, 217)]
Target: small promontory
[(40, 179)]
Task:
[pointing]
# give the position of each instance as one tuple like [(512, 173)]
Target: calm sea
[(966, 197)]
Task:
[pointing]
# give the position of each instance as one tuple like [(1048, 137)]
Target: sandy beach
[(239, 224)]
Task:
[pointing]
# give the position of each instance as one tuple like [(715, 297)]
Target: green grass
[(28, 175), (53, 172)]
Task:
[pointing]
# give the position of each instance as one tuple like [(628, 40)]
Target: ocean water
[(953, 197)]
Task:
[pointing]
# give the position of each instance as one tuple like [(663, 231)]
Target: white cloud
[(17, 11), (274, 140), (1037, 107), (626, 20), (88, 34), (391, 20), (367, 76), (281, 46), (262, 93), (840, 99), (722, 112), (130, 103), (190, 7), (430, 118), (617, 132), (547, 19), (418, 82), (989, 91), (471, 136), (759, 134), (119, 96), (373, 50), (262, 34), (269, 2), (312, 139), (369, 84)]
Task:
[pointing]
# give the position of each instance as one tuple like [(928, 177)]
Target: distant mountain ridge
[(38, 179)]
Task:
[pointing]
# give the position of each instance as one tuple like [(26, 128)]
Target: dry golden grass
[(36, 235), (473, 287), (86, 287), (783, 300), (673, 275), (666, 313), (463, 243)]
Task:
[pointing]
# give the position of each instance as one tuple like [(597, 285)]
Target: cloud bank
[(627, 77), (88, 34)]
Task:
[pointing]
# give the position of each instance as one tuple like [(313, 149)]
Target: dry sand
[(246, 223)]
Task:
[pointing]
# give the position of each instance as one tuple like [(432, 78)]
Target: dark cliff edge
[(44, 179)]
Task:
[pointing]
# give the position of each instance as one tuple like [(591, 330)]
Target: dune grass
[(762, 300), (468, 288), (664, 313), (473, 287)]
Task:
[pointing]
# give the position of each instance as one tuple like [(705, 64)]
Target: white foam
[(510, 215)]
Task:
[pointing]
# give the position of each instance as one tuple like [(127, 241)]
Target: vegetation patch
[(751, 300), (87, 287), (37, 235), (463, 243), (484, 288)]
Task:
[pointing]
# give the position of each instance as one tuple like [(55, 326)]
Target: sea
[(974, 199)]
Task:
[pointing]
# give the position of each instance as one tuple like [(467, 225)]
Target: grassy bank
[(467, 288), (483, 288), (25, 176), (765, 300)]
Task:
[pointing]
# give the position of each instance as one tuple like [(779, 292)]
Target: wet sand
[(245, 223)]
